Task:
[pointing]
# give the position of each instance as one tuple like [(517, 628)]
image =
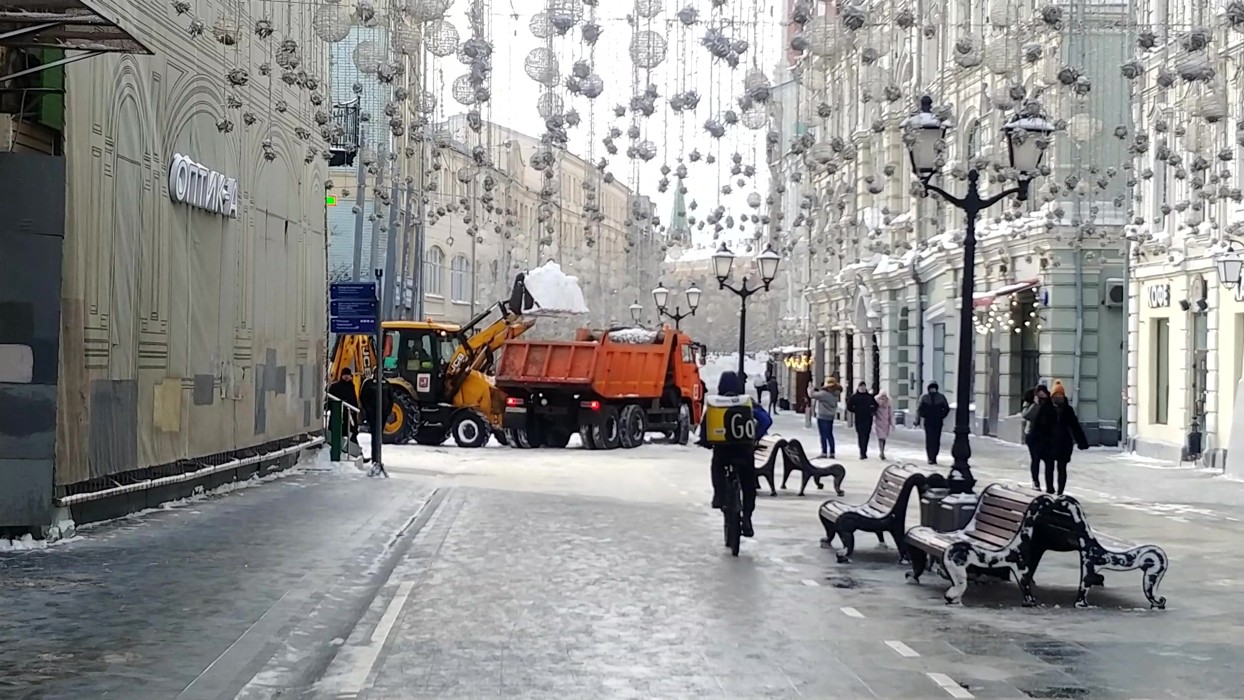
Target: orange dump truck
[(611, 388)]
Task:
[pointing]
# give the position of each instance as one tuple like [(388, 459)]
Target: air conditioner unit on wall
[(1115, 292)]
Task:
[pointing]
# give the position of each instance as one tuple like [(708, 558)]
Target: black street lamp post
[(661, 296), (1028, 137), (723, 260)]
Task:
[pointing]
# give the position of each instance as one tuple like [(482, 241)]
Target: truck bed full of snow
[(633, 336)]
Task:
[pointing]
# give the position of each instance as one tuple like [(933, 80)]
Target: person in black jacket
[(863, 405), (739, 456), (343, 390), (931, 413), (367, 394), (1033, 400), (1057, 431), (772, 386)]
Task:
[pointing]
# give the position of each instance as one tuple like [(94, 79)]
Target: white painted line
[(852, 612), (949, 685), (902, 649), (809, 582), (369, 653)]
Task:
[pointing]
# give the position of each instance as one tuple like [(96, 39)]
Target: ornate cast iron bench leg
[(919, 562), (1149, 558), (955, 562), (831, 531)]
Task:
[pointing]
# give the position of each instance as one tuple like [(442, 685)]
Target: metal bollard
[(334, 430)]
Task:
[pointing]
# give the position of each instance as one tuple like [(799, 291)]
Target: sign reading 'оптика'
[(198, 186)]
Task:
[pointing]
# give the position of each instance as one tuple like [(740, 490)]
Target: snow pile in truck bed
[(633, 336), (711, 372), (554, 291)]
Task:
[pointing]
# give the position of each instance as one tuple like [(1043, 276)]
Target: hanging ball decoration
[(756, 85), (368, 56), (564, 14), (440, 38), (755, 118), (427, 10), (540, 26), (549, 104), (648, 8), (1002, 56), (592, 86), (647, 49), (753, 200), (331, 23), (463, 91), (541, 66)]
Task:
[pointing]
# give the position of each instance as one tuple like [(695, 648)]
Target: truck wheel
[(557, 438), (607, 433), (517, 438), (499, 436), (431, 437), (683, 434), (470, 430), (632, 425), (585, 436)]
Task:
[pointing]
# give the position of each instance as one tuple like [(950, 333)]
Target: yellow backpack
[(729, 420)]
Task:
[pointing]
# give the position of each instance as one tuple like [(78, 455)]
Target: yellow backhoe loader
[(438, 373)]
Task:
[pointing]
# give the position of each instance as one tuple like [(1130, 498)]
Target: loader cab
[(419, 353)]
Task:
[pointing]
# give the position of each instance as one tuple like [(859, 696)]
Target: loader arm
[(476, 349)]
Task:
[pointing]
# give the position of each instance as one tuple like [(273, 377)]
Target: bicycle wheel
[(734, 516)]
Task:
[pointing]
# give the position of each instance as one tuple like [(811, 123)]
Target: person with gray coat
[(825, 406)]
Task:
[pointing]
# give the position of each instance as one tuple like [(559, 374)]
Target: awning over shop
[(983, 299), (72, 25)]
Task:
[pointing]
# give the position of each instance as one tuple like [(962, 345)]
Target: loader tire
[(470, 430), (401, 425), (632, 426), (431, 437)]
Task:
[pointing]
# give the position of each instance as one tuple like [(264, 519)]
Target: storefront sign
[(195, 185), (1159, 296)]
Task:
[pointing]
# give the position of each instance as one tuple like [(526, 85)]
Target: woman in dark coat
[(1033, 400), (1057, 432), (863, 405)]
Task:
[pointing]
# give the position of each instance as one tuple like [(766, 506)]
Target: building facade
[(1048, 302), (192, 313), (1186, 330)]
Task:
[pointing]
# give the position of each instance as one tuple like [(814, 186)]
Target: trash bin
[(930, 506), (956, 511)]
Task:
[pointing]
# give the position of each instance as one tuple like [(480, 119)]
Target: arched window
[(460, 279), (434, 271)]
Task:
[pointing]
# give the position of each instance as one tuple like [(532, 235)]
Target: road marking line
[(949, 685), (902, 649), (809, 582), (852, 612), (368, 654)]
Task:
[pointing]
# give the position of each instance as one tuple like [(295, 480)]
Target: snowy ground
[(500, 573)]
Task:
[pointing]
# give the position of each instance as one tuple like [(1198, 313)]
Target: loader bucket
[(546, 291)]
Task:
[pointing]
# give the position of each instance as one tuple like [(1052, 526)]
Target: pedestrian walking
[(864, 406), (825, 405), (772, 386), (931, 413), (759, 383), (1034, 398), (883, 420), (1057, 431), (344, 391)]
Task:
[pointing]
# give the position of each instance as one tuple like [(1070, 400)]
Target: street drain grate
[(842, 582), (1054, 691)]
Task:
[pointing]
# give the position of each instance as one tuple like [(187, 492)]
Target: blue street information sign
[(352, 307), (353, 291)]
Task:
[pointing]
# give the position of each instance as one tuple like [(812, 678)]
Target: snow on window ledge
[(437, 297)]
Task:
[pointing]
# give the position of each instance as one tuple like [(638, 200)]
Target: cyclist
[(738, 455)]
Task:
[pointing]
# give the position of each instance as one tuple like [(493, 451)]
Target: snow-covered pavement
[(502, 573)]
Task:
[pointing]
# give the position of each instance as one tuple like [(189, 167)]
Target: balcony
[(344, 143)]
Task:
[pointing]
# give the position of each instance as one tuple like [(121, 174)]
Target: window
[(1161, 344), (460, 279), (433, 271)]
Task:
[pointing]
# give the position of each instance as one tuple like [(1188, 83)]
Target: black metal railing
[(345, 140)]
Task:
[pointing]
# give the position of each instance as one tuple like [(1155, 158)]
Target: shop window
[(937, 373), (1161, 370), (460, 279), (433, 272)]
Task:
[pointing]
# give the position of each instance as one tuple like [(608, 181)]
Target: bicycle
[(733, 510)]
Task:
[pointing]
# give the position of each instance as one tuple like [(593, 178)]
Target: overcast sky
[(687, 66)]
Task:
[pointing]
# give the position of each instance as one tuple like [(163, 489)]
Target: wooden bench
[(795, 458), (1098, 552), (767, 450), (997, 541), (884, 511)]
